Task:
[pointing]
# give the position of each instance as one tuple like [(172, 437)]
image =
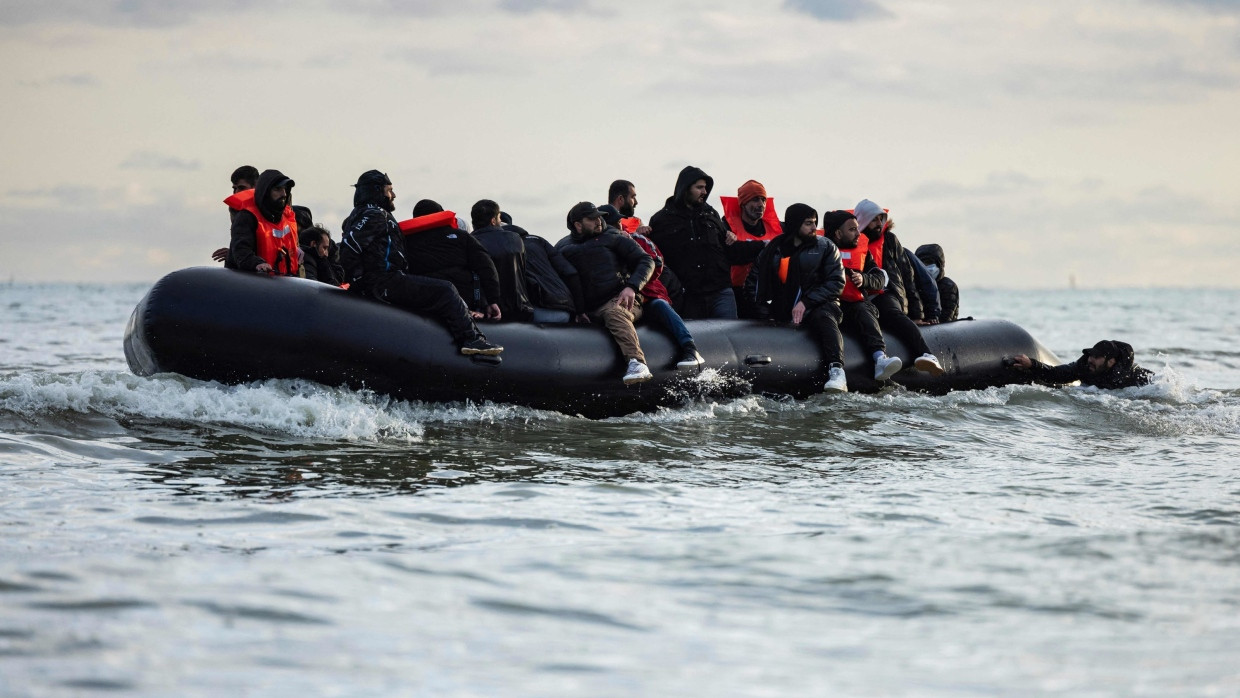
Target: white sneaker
[(929, 363), (836, 383), (886, 366), (689, 358), (637, 373)]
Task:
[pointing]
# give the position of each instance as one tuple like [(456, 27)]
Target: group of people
[(689, 262)]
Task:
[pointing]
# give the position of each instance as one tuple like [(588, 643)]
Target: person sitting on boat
[(613, 270), (698, 246), (751, 216), (373, 257), (798, 278), (438, 246), (949, 293), (552, 282), (243, 178), (264, 231), (888, 254), (924, 306), (1109, 364), (622, 213), (861, 276), (316, 261), (655, 300), (507, 251)]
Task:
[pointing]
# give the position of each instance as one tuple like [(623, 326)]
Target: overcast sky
[(1034, 141)]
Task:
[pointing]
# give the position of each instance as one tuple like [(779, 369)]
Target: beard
[(626, 210), (387, 205)]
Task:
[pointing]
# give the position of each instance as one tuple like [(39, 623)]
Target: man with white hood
[(889, 255)]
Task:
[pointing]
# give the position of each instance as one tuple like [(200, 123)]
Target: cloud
[(1225, 7), (838, 10), (148, 160), (529, 6), (124, 13), (74, 80)]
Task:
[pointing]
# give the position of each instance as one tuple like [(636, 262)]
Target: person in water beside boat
[(751, 216), (1109, 364), (888, 254), (373, 257), (613, 270), (699, 248), (440, 248), (656, 303), (862, 275), (264, 230), (798, 278)]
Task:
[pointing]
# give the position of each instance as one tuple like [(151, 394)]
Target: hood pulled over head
[(933, 255), (866, 211), (369, 190), (686, 178), (268, 180)]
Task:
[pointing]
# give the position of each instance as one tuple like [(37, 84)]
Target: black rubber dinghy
[(234, 327)]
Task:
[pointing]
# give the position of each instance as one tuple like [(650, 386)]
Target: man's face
[(848, 234), (875, 225), (809, 228), (242, 185), (753, 209), (629, 205), (279, 196), (590, 226), (1099, 364), (698, 192), (389, 195), (323, 247)]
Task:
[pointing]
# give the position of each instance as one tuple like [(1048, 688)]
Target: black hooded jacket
[(372, 248), (1124, 374), (949, 292), (243, 247), (900, 275), (454, 255), (693, 240), (606, 263), (507, 252), (815, 274), (551, 281)]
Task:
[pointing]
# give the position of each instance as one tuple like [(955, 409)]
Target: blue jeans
[(663, 314), (714, 305), (548, 316)]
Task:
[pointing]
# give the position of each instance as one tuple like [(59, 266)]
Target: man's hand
[(642, 230), (729, 238), (1021, 362), (264, 268), (493, 312), (626, 298), (798, 313), (855, 277), (220, 255)]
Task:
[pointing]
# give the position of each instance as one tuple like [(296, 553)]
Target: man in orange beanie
[(751, 216)]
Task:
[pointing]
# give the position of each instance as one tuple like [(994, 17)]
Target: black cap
[(505, 218), (372, 177), (1110, 349), (580, 211)]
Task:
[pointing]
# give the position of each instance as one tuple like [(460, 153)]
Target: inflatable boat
[(234, 327)]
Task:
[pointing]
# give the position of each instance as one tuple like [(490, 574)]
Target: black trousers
[(824, 322), (426, 296), (862, 317), (892, 319)]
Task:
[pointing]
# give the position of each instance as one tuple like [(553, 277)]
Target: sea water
[(166, 536)]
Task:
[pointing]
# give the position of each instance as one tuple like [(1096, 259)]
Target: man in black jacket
[(272, 195), (699, 248), (446, 252), (613, 270), (373, 257), (507, 251), (949, 293), (551, 281), (1109, 364)]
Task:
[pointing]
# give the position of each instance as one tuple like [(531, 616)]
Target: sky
[(1041, 143)]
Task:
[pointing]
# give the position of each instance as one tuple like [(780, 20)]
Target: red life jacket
[(276, 243), (732, 214), (630, 225), (853, 260), (429, 221)]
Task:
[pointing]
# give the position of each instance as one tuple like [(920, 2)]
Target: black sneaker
[(480, 345)]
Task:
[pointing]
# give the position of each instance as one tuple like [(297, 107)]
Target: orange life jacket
[(630, 225), (276, 243), (853, 260), (429, 221), (770, 223)]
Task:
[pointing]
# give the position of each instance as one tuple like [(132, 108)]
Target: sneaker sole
[(482, 352), (928, 367), (686, 365), (892, 369), (637, 379), (829, 389)]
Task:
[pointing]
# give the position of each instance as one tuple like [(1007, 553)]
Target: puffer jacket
[(949, 292), (815, 277), (551, 281), (606, 263)]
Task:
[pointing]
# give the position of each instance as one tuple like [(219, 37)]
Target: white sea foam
[(294, 408)]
